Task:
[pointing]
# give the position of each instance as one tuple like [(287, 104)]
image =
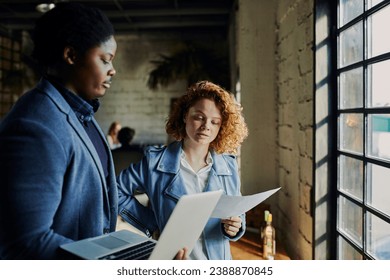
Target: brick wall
[(129, 100), (275, 60), (294, 80)]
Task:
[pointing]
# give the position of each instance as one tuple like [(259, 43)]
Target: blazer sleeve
[(32, 168)]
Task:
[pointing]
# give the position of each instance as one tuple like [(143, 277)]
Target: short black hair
[(69, 24), (126, 135)]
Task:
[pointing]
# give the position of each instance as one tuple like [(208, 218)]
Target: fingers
[(232, 225), (231, 231), (182, 254), (233, 221)]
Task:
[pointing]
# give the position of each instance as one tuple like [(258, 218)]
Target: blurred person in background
[(127, 153), (112, 135)]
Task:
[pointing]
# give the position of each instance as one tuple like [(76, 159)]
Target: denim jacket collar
[(170, 161)]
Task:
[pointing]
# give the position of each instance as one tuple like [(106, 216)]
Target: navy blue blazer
[(53, 188)]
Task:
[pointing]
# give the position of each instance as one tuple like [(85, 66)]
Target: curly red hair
[(233, 129)]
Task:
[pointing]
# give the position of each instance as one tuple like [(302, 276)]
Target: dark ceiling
[(132, 16)]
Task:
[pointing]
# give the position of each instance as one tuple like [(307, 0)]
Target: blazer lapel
[(80, 131), (74, 122)]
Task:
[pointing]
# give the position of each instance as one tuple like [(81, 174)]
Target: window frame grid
[(364, 63)]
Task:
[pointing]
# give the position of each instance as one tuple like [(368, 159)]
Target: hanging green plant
[(192, 63)]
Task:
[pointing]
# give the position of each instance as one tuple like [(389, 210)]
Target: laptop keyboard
[(140, 251)]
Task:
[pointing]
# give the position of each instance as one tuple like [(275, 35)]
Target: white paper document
[(229, 206)]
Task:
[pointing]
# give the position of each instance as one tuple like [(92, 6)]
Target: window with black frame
[(10, 73), (363, 129)]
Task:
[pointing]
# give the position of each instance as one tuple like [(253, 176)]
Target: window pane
[(351, 88), (378, 189), (349, 220), (378, 238), (372, 3), (378, 84), (346, 251), (378, 32), (351, 45), (351, 177), (349, 9), (379, 136), (351, 133)]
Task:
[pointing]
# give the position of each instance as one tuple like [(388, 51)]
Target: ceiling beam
[(143, 25), (171, 24), (131, 13)]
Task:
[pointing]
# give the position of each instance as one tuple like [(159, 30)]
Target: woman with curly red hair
[(208, 127)]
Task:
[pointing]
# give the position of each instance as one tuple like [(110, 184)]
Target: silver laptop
[(183, 228)]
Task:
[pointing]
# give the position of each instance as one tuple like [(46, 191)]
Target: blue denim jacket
[(158, 175)]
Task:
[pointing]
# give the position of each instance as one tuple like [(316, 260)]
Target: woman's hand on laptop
[(232, 225), (182, 254)]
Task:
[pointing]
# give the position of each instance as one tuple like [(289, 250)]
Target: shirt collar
[(84, 109), (209, 159)]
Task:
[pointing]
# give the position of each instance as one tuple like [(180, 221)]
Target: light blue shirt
[(195, 182)]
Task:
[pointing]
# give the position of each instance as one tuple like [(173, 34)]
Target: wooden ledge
[(248, 248)]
